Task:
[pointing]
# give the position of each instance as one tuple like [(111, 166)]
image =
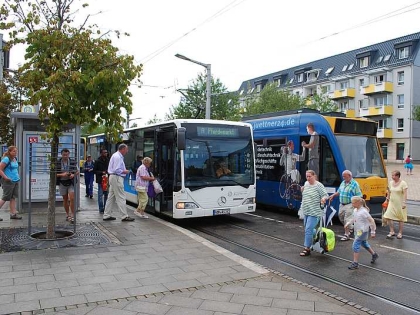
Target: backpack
[(7, 165), (407, 160)]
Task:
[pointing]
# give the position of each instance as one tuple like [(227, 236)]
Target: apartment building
[(380, 82)]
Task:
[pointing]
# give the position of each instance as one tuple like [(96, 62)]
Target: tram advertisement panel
[(267, 163)]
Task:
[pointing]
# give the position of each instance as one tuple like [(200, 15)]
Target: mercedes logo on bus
[(222, 201)]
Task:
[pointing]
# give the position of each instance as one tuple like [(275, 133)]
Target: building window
[(403, 53), (344, 85), (343, 106), (329, 70), (250, 91), (380, 101), (400, 125), (300, 77), (364, 104), (387, 57), (344, 68), (363, 62), (400, 151), (400, 77), (291, 80), (326, 88), (350, 66), (384, 147), (361, 82), (379, 78), (400, 98), (241, 92), (379, 59), (258, 87)]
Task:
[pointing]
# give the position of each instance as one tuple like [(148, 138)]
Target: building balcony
[(343, 93), (384, 133), (382, 87), (350, 113), (377, 111)]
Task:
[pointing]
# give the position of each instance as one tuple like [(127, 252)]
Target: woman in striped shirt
[(313, 194)]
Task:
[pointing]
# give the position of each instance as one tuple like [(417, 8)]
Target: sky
[(241, 39)]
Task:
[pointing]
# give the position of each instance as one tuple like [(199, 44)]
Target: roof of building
[(344, 65)]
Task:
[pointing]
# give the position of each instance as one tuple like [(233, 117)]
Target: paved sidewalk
[(158, 268)]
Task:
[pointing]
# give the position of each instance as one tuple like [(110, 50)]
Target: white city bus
[(205, 167)]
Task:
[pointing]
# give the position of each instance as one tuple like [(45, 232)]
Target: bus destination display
[(222, 132)]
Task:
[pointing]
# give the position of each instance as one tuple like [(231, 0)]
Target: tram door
[(164, 163)]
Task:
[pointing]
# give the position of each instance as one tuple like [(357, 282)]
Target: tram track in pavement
[(382, 298)]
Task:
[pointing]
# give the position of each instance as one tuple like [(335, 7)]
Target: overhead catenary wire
[(371, 21), (225, 9)]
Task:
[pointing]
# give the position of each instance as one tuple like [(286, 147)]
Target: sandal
[(399, 236), (305, 252), (390, 235)]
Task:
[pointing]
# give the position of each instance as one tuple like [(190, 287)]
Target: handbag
[(157, 187), (104, 183), (151, 191)]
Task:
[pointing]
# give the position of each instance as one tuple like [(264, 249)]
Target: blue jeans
[(361, 240), (310, 223), (102, 197)]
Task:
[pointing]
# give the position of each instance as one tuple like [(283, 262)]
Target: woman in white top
[(362, 221)]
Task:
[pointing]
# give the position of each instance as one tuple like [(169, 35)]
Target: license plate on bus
[(221, 211)]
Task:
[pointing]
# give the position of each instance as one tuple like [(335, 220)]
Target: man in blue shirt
[(348, 188), (116, 194)]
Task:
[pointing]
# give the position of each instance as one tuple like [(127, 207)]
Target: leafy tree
[(323, 103), (224, 105), (416, 112), (9, 102), (73, 73), (271, 99), (154, 120), (86, 130)]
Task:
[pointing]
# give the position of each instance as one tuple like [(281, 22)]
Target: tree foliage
[(10, 99), (416, 112), (224, 105), (73, 72), (271, 99), (323, 103)]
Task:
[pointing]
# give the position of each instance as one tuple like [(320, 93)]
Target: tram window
[(329, 175), (268, 159)]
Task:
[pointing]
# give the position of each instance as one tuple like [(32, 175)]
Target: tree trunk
[(52, 188)]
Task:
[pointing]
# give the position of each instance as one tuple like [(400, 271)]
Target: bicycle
[(289, 190)]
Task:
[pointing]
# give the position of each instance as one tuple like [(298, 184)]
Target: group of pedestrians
[(110, 197), (353, 212)]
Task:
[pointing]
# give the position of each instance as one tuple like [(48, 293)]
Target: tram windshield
[(361, 156), (215, 161)]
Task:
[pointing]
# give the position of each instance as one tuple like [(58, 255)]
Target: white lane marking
[(261, 217), (400, 250)]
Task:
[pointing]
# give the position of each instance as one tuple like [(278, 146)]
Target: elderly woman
[(313, 195), (397, 208), (143, 178)]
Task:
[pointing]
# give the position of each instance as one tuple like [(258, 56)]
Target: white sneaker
[(143, 216)]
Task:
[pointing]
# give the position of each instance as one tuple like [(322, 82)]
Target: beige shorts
[(345, 214)]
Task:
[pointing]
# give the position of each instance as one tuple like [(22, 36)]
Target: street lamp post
[(208, 85), (131, 119)]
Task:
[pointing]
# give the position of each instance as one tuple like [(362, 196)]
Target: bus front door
[(164, 164)]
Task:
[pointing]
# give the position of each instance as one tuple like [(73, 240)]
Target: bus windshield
[(361, 156), (218, 162)]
